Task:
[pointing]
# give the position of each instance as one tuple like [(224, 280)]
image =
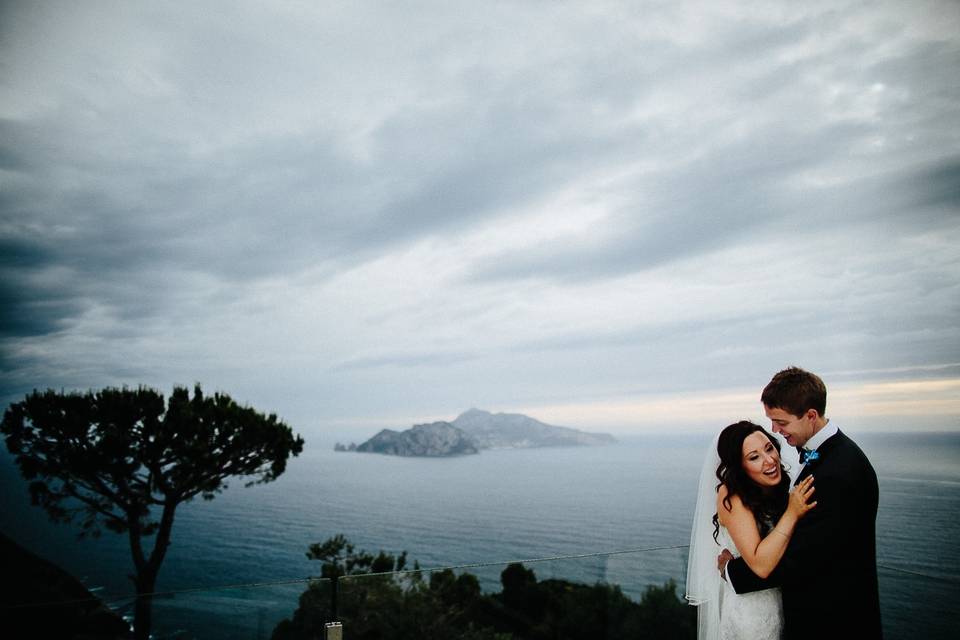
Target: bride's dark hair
[(767, 506)]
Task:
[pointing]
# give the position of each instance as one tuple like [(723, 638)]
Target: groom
[(828, 574)]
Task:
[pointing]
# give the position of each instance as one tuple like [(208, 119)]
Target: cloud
[(451, 205)]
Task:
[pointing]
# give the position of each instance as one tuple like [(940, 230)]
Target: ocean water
[(490, 509)]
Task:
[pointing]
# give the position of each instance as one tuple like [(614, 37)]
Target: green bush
[(401, 605)]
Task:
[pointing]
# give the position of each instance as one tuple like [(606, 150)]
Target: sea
[(617, 514)]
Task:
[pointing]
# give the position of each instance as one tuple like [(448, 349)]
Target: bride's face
[(761, 460)]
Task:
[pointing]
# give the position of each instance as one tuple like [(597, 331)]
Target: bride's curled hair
[(767, 504)]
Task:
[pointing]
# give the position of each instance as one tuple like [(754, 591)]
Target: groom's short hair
[(795, 390)]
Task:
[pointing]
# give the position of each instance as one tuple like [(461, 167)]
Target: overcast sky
[(608, 215)]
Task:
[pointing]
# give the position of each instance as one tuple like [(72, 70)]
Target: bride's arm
[(763, 555)]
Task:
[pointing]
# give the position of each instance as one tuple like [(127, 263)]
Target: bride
[(754, 513)]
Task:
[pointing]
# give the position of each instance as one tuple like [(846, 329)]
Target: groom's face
[(796, 431)]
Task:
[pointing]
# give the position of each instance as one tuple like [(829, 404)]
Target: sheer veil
[(703, 579)]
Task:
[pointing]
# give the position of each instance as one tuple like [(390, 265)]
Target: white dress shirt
[(817, 439)]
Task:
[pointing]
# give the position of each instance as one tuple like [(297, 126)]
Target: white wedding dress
[(721, 612), (748, 616)]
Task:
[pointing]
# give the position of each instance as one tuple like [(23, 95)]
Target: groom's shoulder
[(845, 444), (849, 453)]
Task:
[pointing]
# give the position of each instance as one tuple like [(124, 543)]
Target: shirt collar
[(821, 436)]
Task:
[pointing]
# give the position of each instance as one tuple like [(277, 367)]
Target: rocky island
[(428, 440), (473, 431)]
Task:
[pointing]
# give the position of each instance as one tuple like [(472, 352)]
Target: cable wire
[(950, 579), (250, 585), (478, 565)]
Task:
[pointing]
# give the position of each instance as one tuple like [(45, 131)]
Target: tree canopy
[(124, 459)]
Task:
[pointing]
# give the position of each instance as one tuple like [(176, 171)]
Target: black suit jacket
[(828, 574)]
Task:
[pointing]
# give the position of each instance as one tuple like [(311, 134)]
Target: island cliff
[(429, 440)]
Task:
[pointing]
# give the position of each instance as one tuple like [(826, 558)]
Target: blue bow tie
[(808, 456)]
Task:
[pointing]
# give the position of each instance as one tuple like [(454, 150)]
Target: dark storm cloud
[(937, 187), (32, 311), (65, 249)]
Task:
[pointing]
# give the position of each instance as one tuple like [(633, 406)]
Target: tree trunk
[(143, 609), (148, 569)]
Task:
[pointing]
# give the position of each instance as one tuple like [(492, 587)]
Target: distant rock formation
[(437, 439), (474, 430), (514, 430)]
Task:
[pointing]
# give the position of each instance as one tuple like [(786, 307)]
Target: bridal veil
[(703, 579)]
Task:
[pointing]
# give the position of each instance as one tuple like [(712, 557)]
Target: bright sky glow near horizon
[(616, 216)]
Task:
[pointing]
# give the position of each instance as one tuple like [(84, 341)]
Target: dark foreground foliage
[(448, 606), (40, 600)]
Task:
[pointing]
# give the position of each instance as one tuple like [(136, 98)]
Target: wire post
[(333, 631)]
